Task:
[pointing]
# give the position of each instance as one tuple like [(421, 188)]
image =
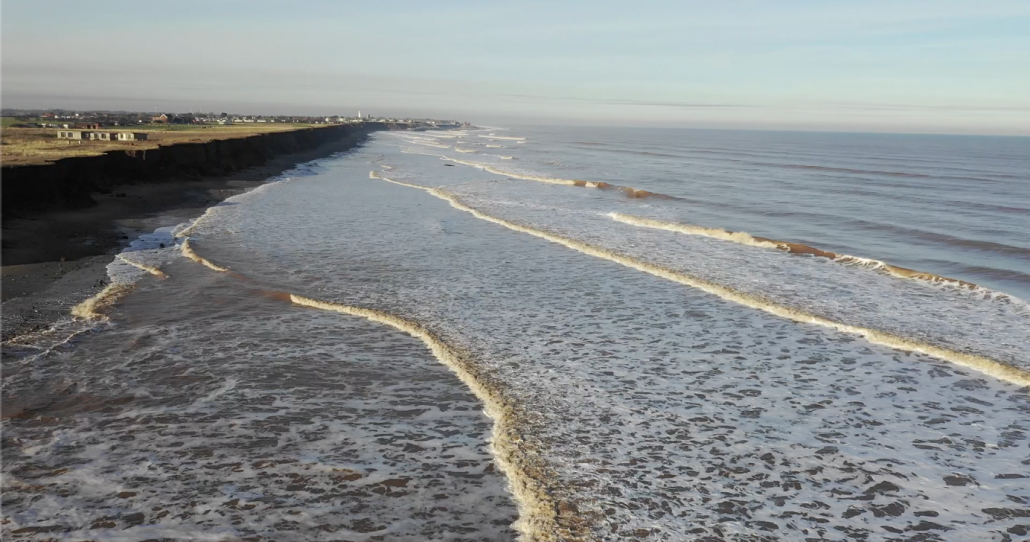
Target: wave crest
[(980, 363), (745, 238)]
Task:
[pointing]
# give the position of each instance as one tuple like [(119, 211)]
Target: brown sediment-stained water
[(482, 352)]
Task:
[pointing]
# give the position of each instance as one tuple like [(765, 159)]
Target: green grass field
[(7, 121)]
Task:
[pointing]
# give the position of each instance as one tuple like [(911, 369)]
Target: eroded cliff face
[(68, 183)]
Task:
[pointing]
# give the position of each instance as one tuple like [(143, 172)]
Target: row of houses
[(101, 136)]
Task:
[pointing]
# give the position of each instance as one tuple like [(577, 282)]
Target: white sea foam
[(769, 414), (658, 410)]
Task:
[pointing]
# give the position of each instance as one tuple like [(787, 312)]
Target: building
[(79, 135), (74, 134), (159, 118)]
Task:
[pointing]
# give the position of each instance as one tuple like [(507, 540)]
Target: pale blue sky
[(908, 66)]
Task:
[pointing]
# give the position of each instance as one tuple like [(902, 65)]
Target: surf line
[(980, 363), (90, 308), (745, 238), (625, 190), (737, 237), (144, 267), (539, 514), (187, 251)]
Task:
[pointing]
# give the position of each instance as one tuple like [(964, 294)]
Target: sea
[(554, 333)]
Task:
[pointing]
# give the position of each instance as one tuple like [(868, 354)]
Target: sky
[(917, 66)]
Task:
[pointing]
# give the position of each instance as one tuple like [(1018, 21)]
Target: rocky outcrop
[(68, 183)]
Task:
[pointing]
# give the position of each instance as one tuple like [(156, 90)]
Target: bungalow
[(79, 135), (73, 134)]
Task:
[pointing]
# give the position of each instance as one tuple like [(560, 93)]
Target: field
[(22, 146)]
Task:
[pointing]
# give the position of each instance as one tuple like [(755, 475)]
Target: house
[(162, 118), (79, 135), (73, 134), (87, 125)]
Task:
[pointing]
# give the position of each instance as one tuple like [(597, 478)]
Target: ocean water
[(554, 334)]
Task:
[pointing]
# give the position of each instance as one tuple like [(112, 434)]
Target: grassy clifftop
[(29, 146)]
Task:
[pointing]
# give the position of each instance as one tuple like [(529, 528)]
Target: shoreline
[(54, 260)]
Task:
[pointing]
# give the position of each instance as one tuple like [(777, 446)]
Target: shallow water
[(624, 403)]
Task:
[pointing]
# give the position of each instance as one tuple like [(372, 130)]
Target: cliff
[(68, 183)]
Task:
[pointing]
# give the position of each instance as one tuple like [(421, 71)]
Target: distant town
[(35, 136), (62, 118)]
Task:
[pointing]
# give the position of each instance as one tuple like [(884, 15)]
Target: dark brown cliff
[(68, 183)]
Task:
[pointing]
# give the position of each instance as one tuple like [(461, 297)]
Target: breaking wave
[(745, 238), (525, 471), (187, 251), (91, 309), (716, 233), (143, 267), (625, 190), (737, 237), (980, 363), (503, 138), (430, 144), (537, 511)]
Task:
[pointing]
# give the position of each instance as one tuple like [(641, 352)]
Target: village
[(96, 120), (40, 136)]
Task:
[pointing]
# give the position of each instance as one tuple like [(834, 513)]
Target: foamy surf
[(523, 469), (142, 257), (658, 411), (745, 238), (187, 251), (742, 238), (142, 266), (980, 363), (625, 190), (503, 138), (194, 432), (537, 511), (92, 308)]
